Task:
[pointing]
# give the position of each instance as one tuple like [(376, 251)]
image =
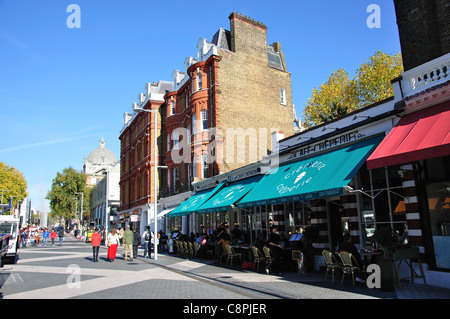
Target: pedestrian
[(61, 236), (128, 239), (170, 244), (96, 239), (136, 242), (112, 242), (45, 236), (36, 237), (147, 236), (275, 250), (24, 237), (121, 231), (53, 236)]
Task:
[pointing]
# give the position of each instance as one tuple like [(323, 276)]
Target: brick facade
[(240, 95)]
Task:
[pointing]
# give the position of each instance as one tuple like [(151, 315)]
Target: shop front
[(420, 143)]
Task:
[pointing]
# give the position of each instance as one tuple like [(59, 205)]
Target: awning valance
[(319, 176), (194, 202), (229, 195)]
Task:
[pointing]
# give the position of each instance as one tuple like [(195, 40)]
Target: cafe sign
[(325, 145)]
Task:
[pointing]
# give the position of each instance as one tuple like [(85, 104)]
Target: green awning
[(229, 195), (194, 202), (323, 175)]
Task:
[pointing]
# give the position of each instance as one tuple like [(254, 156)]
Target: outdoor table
[(246, 252)]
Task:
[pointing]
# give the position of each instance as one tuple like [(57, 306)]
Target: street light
[(155, 181)]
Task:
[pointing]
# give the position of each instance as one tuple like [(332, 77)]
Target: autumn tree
[(13, 183), (63, 192), (340, 95)]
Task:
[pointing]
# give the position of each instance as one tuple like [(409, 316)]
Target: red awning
[(417, 136)]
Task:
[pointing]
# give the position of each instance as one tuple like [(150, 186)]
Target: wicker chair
[(331, 262), (196, 248), (349, 265), (269, 258), (231, 254), (257, 257)]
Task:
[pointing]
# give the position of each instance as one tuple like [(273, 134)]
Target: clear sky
[(62, 89)]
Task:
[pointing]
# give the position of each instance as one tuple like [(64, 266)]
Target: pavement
[(68, 272)]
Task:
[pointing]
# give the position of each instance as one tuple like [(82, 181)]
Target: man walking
[(147, 236), (128, 239), (61, 236), (45, 236)]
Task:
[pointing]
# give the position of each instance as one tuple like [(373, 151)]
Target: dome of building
[(101, 155)]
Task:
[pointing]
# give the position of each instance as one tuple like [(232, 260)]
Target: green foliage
[(13, 180), (65, 187), (340, 95)]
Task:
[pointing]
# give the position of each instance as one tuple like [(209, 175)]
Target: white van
[(10, 226)]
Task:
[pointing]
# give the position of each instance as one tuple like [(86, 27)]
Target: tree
[(65, 187), (340, 95), (13, 180)]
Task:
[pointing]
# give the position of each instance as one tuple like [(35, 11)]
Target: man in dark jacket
[(136, 242), (61, 236)]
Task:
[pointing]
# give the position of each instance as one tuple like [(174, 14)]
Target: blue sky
[(62, 89)]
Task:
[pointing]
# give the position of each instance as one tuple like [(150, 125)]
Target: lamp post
[(155, 180)]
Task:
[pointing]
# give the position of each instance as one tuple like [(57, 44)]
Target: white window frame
[(283, 99), (176, 140), (205, 165), (168, 142), (199, 81), (204, 114), (188, 142), (194, 123)]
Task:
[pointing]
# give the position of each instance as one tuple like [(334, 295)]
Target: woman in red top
[(96, 239), (53, 236)]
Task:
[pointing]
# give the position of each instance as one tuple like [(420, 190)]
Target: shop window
[(383, 204), (438, 198)]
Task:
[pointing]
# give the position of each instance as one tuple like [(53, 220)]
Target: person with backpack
[(61, 236), (147, 236)]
